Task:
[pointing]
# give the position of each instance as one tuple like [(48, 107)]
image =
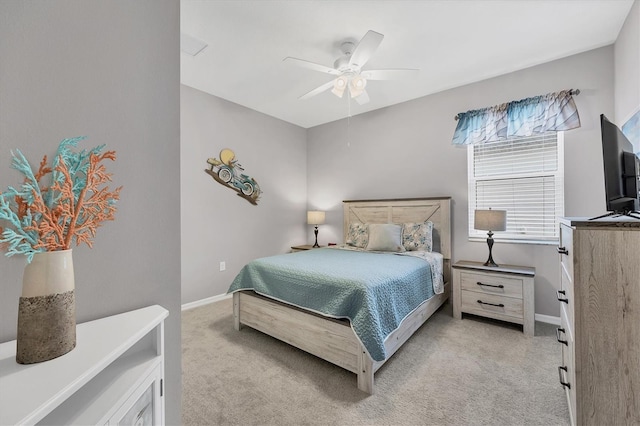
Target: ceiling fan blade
[(363, 51), (311, 65), (392, 74), (363, 98), (318, 90)]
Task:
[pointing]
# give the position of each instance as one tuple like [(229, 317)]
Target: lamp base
[(315, 231), (490, 261)]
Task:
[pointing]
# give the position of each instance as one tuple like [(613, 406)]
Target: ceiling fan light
[(339, 85), (357, 85)]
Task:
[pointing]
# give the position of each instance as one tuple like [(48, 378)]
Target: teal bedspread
[(375, 291)]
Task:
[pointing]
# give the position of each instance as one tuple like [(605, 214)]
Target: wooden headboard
[(435, 209)]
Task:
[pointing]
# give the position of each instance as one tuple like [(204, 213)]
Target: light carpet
[(451, 372)]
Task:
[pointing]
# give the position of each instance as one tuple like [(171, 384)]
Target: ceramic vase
[(47, 312)]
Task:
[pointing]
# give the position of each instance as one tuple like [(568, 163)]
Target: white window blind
[(525, 177)]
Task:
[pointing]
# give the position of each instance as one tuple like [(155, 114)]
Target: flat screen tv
[(621, 172)]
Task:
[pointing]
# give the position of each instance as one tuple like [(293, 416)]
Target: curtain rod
[(571, 92)]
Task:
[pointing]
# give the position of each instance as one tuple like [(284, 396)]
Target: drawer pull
[(560, 298), (500, 305), (558, 331), (490, 285), (564, 384), (563, 250)]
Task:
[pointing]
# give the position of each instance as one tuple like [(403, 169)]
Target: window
[(525, 177)]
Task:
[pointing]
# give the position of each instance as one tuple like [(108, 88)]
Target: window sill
[(517, 241)]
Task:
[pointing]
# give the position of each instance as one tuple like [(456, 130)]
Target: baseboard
[(548, 319), (206, 301)]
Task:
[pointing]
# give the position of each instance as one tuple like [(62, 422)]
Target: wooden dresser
[(600, 320)]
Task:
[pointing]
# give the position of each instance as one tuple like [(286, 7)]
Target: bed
[(340, 340)]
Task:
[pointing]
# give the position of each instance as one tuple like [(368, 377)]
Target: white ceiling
[(452, 42)]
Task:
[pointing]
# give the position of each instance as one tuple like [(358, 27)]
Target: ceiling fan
[(348, 69)]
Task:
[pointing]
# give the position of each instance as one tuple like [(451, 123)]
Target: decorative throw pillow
[(385, 237), (417, 236), (358, 235)]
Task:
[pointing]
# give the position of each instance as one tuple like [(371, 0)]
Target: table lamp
[(316, 218), (490, 220)]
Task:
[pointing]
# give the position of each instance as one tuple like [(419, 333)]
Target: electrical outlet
[(223, 266)]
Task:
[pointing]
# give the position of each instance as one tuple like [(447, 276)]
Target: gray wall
[(627, 68), (108, 70), (405, 151), (218, 225)]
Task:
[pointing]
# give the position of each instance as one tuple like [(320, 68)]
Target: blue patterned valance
[(539, 114)]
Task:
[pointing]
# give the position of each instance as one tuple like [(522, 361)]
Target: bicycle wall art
[(228, 172)]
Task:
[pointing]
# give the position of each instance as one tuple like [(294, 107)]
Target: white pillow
[(385, 237)]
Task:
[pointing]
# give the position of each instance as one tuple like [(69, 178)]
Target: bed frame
[(334, 340)]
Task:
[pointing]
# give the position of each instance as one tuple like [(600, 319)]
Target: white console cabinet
[(113, 376)]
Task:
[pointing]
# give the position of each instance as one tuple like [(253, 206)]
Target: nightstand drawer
[(489, 305), (491, 284)]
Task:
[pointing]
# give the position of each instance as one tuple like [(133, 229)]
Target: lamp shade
[(490, 220), (315, 217)]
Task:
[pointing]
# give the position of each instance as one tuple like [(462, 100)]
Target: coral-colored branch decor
[(51, 218)]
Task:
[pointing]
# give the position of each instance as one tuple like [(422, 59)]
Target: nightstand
[(504, 293), (303, 248)]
